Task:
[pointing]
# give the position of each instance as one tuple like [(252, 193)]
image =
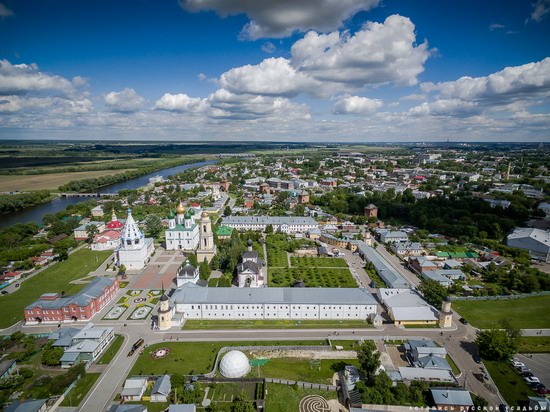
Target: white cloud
[(273, 76), (449, 107), (268, 47), (540, 9), (281, 18), (125, 101), (496, 26), (356, 105), (379, 53), (527, 81), (181, 103), (5, 12), (26, 78), (202, 77)]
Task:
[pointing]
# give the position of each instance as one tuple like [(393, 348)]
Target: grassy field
[(193, 358), (514, 390), (301, 370), (111, 351), (83, 386), (50, 181), (524, 313), (373, 276), (312, 277), (318, 262), (533, 344), (276, 251), (283, 398), (226, 392), (54, 279), (274, 324)]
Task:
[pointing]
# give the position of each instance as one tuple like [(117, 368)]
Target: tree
[(227, 211), (269, 229), (193, 261), (369, 359), (121, 270), (433, 291), (204, 270), (51, 356), (498, 344), (153, 224), (91, 231), (241, 404)]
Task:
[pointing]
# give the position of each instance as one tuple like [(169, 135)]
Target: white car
[(532, 379), (518, 365)]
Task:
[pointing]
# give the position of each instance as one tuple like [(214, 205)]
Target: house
[(451, 399), (406, 307), (426, 354), (27, 405), (81, 232), (371, 211), (545, 207), (97, 211), (185, 407), (107, 240), (134, 388), (224, 232), (63, 337), (437, 277), (536, 241), (128, 408), (393, 236), (421, 264), (162, 389), (87, 345), (52, 308), (7, 367), (403, 249)]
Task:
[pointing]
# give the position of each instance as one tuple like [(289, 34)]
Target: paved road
[(398, 265), (355, 264), (539, 363)]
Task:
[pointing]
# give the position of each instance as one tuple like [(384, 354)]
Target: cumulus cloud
[(268, 47), (26, 78), (281, 18), (125, 101), (227, 105), (5, 12), (356, 105), (447, 107), (326, 64), (379, 53), (273, 76), (527, 81), (540, 10), (181, 103)]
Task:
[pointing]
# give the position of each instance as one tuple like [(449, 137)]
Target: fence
[(502, 297), (271, 347), (304, 385)]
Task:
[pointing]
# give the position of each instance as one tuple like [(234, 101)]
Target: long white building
[(285, 224), (195, 302)]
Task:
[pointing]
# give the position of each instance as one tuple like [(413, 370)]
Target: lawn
[(312, 277), (318, 262), (301, 369), (50, 181), (283, 398), (226, 392), (514, 390), (112, 350), (82, 387), (373, 276), (455, 369), (523, 313), (192, 358), (276, 250), (533, 344), (274, 324), (54, 279)]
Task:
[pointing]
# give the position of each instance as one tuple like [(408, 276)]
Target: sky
[(275, 70)]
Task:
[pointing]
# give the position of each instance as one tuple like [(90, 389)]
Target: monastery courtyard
[(161, 271)]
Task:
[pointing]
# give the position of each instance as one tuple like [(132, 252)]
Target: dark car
[(17, 285), (537, 385), (463, 321), (526, 374), (503, 408), (542, 391), (477, 359), (5, 292)]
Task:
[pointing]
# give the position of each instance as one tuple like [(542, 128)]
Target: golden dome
[(204, 214), (180, 209)]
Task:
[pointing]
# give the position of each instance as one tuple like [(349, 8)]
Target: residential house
[(162, 389), (451, 399), (403, 249), (27, 405), (134, 388), (421, 264), (406, 307), (393, 236)]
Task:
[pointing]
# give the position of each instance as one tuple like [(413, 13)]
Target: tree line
[(12, 203)]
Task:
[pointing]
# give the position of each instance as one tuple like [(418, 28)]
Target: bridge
[(76, 194)]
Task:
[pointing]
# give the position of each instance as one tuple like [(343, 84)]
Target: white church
[(134, 249), (250, 272), (183, 229)]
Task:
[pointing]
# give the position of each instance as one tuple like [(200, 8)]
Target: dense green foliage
[(51, 355), (369, 359), (433, 292), (498, 344), (11, 203)]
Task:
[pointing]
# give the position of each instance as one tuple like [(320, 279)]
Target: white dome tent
[(234, 364)]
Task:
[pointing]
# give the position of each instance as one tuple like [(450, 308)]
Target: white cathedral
[(183, 230), (134, 250)]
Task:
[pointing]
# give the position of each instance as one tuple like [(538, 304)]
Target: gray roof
[(65, 337), (249, 265), (451, 396), (268, 220), (128, 408), (190, 293), (436, 276), (250, 254), (182, 408), (91, 291), (163, 386), (388, 274), (28, 405), (434, 362)]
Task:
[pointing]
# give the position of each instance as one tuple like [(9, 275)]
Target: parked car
[(519, 365), (17, 285), (526, 374), (542, 391), (5, 292), (531, 379), (463, 321), (477, 359), (537, 385)]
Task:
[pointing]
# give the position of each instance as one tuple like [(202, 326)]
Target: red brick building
[(53, 308), (371, 211)]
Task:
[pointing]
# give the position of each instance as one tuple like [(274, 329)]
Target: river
[(35, 213)]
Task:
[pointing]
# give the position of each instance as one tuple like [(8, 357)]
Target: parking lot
[(539, 363)]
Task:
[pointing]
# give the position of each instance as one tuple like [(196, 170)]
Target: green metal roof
[(224, 231)]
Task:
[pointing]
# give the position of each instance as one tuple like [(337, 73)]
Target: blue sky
[(312, 70)]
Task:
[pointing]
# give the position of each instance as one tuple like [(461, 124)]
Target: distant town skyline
[(308, 70)]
